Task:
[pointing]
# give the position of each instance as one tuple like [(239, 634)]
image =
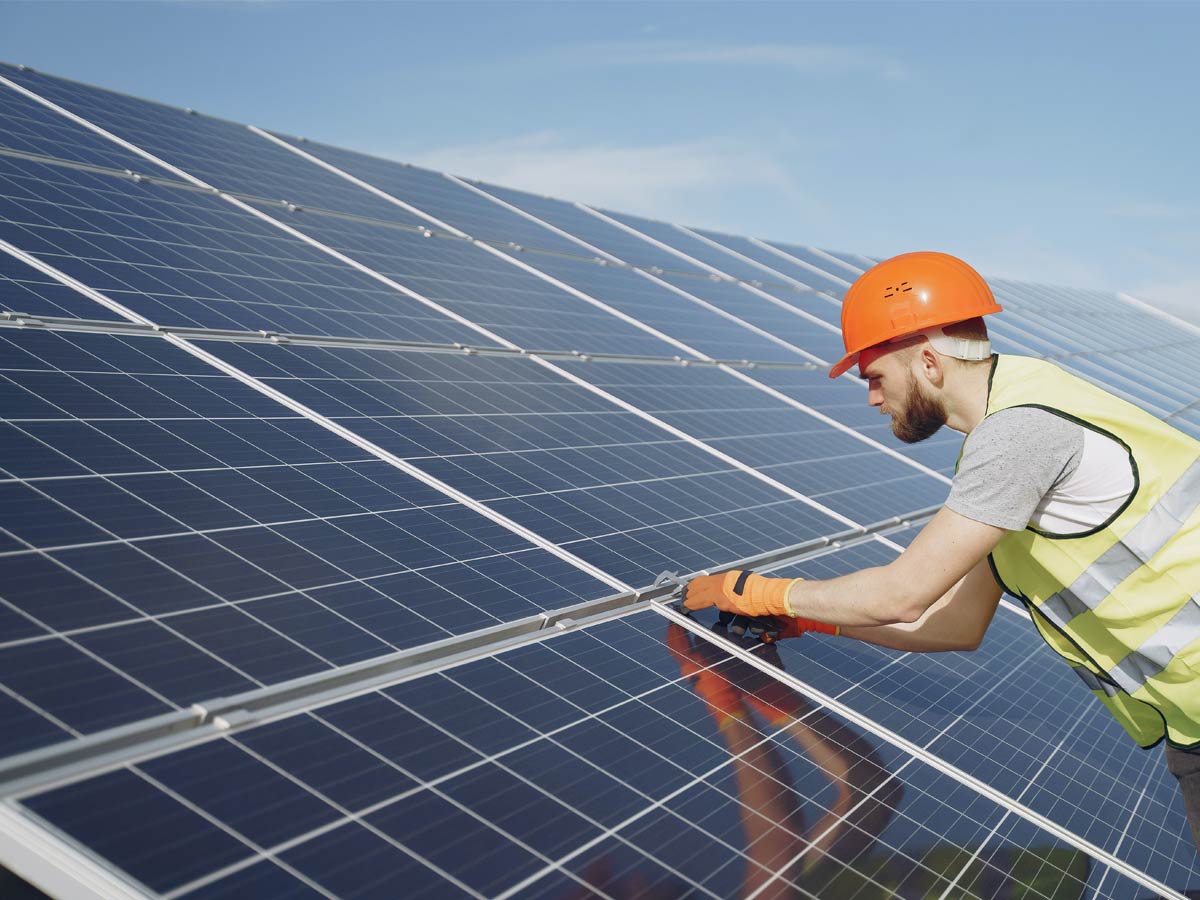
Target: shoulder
[(1026, 424)]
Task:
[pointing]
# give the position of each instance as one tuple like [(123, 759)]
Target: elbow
[(903, 601), (908, 610), (973, 642)]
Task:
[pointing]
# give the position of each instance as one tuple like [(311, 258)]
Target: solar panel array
[(334, 492)]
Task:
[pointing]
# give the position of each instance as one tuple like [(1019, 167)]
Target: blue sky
[(1045, 141)]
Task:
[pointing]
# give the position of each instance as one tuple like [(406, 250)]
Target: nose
[(875, 395)]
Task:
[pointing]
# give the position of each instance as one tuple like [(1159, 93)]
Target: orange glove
[(739, 591), (743, 593)]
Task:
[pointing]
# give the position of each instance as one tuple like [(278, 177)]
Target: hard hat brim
[(843, 364)]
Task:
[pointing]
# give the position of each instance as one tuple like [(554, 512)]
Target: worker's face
[(894, 387)]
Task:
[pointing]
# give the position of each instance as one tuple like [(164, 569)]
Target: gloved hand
[(739, 591), (753, 603)]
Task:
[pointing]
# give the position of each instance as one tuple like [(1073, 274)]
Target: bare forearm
[(957, 621), (868, 597), (907, 636)]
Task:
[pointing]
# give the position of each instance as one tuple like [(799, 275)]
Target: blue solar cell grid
[(835, 468), (438, 196), (813, 276), (620, 492), (658, 765), (630, 248), (508, 301), (223, 154), (33, 128), (168, 533), (792, 321), (179, 257)]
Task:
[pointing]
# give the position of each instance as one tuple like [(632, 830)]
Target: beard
[(922, 416)]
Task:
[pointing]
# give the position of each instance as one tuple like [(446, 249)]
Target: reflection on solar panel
[(333, 494)]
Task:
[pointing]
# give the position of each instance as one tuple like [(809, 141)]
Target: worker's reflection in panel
[(821, 838), (788, 846)]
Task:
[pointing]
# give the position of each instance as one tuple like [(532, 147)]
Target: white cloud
[(816, 59), (661, 180)]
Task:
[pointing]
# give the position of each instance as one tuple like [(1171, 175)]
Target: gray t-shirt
[(1010, 462)]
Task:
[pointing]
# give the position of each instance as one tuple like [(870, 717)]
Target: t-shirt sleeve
[(1009, 463)]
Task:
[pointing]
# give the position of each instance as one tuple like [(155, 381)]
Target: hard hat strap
[(956, 347)]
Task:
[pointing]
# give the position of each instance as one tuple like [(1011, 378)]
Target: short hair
[(971, 329)]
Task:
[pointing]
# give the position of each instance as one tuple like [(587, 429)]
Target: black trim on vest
[(1137, 478), (996, 574), (740, 584)]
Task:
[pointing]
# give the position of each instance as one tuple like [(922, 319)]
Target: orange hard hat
[(906, 294)]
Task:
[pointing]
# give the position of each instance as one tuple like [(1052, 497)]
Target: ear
[(930, 364)]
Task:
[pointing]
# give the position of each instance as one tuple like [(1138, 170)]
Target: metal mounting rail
[(69, 761), (17, 319)]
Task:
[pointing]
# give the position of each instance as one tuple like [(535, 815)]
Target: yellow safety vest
[(1121, 603)]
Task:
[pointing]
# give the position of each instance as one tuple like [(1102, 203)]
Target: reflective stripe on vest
[(1159, 649), (1120, 561), (1094, 681)]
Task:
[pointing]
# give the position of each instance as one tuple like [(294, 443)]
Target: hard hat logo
[(907, 294)]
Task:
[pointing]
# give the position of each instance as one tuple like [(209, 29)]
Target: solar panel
[(333, 495), (504, 787), (815, 276), (172, 534)]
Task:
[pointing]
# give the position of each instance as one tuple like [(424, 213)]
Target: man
[(1065, 496)]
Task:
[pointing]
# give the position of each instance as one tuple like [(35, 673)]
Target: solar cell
[(771, 285), (694, 774), (171, 533), (704, 252), (224, 154), (485, 219), (582, 472), (690, 325), (824, 260), (501, 298), (844, 401), (596, 231), (836, 468), (32, 128), (855, 262), (440, 197), (25, 290), (791, 321), (180, 257), (815, 276)]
